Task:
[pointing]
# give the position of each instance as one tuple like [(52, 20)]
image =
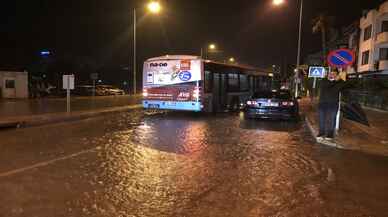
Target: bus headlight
[(145, 93), (196, 93)]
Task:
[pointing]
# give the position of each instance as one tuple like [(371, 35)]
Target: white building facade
[(373, 47)]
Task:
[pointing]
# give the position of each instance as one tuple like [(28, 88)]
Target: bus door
[(219, 92)]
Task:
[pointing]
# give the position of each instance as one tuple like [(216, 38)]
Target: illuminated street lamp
[(278, 3), (209, 48), (232, 60), (153, 7)]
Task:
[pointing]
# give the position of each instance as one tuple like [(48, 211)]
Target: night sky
[(253, 31)]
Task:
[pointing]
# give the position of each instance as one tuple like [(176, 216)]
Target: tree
[(322, 24)]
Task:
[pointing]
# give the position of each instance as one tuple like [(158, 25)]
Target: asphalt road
[(182, 164), (25, 107)]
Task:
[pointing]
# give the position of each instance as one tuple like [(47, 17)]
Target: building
[(345, 37), (373, 48), (13, 84)]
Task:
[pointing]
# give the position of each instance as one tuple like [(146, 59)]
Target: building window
[(384, 26), (383, 53), (368, 33), (10, 84), (365, 58)]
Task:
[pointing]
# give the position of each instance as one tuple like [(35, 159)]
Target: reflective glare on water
[(183, 164)]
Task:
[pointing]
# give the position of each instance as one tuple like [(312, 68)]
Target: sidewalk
[(32, 112), (352, 135)]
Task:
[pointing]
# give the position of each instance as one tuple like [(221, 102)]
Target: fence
[(370, 99)]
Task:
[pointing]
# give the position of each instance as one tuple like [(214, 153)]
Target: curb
[(313, 133), (39, 120)]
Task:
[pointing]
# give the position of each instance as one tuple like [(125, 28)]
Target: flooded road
[(181, 164)]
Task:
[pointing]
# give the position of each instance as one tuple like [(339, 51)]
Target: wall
[(21, 83)]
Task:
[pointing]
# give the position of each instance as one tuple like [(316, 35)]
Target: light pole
[(153, 7), (134, 51), (299, 49), (280, 2), (212, 47)]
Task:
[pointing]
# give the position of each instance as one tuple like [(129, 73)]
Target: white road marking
[(46, 163)]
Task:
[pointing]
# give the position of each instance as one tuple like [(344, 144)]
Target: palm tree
[(322, 24)]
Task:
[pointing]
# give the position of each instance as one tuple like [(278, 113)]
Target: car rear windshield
[(272, 95)]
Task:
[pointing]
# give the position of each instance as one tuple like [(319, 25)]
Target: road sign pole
[(94, 88), (315, 83), (337, 123), (68, 95)]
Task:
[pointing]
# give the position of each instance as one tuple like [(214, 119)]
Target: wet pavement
[(23, 107), (182, 164)]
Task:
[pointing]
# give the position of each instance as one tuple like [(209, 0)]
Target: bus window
[(208, 82), (259, 83), (233, 83), (244, 83)]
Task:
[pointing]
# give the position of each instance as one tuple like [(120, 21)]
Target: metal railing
[(366, 98)]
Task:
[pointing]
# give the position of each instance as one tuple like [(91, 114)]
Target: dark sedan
[(272, 105)]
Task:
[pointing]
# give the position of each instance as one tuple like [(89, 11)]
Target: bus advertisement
[(190, 83), (172, 84)]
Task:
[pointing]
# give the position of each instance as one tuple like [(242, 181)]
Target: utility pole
[(134, 51)]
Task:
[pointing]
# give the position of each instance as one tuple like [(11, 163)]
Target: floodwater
[(182, 164)]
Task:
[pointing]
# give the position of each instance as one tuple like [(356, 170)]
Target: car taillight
[(286, 103), (251, 103)]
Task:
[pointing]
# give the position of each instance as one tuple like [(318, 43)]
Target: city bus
[(190, 83)]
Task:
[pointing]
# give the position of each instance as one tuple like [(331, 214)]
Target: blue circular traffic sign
[(341, 58)]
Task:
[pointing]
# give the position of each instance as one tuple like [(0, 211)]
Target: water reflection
[(188, 165)]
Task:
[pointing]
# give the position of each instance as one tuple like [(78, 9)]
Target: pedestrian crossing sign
[(317, 72)]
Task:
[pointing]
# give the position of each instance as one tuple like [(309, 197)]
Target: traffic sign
[(68, 82), (341, 58), (317, 72)]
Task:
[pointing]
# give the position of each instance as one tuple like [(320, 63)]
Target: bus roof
[(252, 69), (175, 57)]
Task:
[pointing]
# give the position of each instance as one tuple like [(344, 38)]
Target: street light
[(210, 47), (153, 7), (280, 2), (232, 60)]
